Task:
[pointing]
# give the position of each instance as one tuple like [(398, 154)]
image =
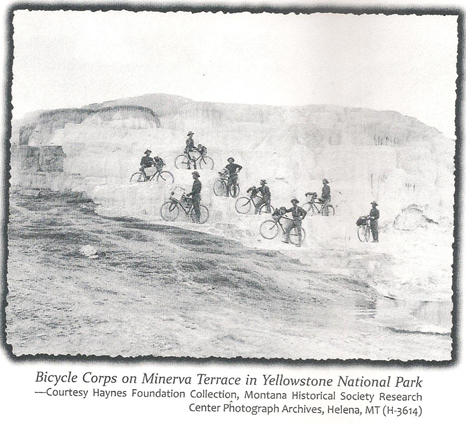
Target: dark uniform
[(374, 217), (298, 215), (325, 198), (196, 198), (190, 148), (232, 175), (147, 161), (190, 145), (266, 195)]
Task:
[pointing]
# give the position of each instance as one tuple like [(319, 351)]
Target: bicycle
[(312, 206), (269, 230), (221, 186), (364, 228), (243, 205), (170, 210), (183, 162), (152, 173)]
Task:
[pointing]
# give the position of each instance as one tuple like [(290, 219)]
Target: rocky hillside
[(39, 130), (310, 125), (366, 154)]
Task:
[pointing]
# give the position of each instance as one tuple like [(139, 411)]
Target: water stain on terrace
[(427, 317)]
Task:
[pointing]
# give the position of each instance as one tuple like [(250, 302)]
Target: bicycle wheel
[(362, 233), (220, 188), (327, 210), (137, 178), (166, 177), (206, 163), (269, 229), (368, 233), (234, 190), (243, 205), (204, 214), (169, 211), (263, 209), (294, 238), (182, 162)]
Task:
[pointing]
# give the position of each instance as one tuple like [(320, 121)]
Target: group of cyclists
[(262, 192)]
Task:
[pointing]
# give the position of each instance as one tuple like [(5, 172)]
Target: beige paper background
[(444, 391)]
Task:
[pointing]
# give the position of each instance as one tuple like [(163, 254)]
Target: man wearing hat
[(265, 199), (195, 195), (374, 217), (233, 170), (190, 147), (325, 198), (298, 215), (146, 162)]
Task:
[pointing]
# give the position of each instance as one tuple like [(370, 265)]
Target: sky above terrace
[(400, 63)]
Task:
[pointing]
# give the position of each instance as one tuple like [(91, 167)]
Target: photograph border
[(256, 9)]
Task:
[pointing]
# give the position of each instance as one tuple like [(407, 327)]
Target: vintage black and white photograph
[(232, 185)]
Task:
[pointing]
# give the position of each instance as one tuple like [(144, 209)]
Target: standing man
[(190, 148), (196, 196), (325, 198), (266, 195), (374, 217), (298, 215), (146, 162), (233, 170)]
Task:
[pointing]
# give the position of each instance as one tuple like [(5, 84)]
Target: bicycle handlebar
[(280, 216)]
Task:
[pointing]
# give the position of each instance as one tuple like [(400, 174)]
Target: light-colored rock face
[(34, 159), (366, 155), (412, 218), (41, 130)]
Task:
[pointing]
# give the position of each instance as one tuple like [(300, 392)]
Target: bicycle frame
[(225, 180), (194, 160), (366, 231), (252, 200), (316, 204), (321, 208), (281, 225), (152, 177), (178, 202)]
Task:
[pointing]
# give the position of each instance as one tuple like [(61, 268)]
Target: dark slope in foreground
[(165, 291)]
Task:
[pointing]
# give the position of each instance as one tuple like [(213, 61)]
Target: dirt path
[(165, 291)]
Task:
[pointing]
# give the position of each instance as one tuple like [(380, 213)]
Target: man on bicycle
[(146, 162), (233, 170), (195, 195), (374, 222), (325, 198), (190, 148), (298, 215), (264, 191)]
